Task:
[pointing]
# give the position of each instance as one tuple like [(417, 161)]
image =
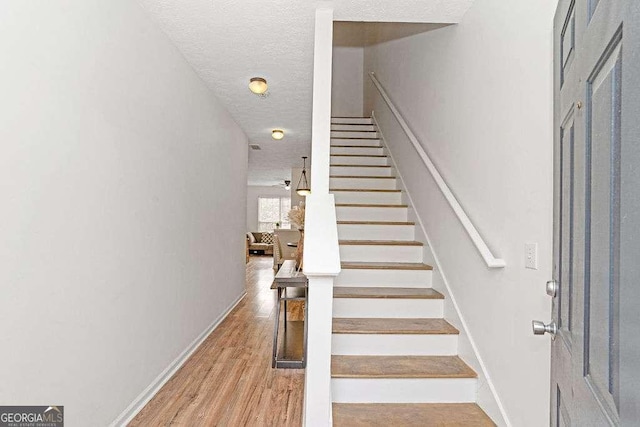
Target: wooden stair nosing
[(373, 131), (369, 205), (407, 223), (352, 265), (362, 177), (349, 124), (359, 155), (354, 242), (356, 146), (400, 367), (393, 326), (409, 415), (385, 293), (350, 137), (365, 190), (358, 166)]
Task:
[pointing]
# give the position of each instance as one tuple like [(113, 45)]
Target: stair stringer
[(487, 396)]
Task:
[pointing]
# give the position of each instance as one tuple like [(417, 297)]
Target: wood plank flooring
[(229, 381)]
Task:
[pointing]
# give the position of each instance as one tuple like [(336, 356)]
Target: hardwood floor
[(229, 381)]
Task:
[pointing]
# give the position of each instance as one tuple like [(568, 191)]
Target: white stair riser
[(368, 197), (351, 127), (375, 232), (351, 134), (387, 307), (403, 390), (356, 141), (394, 345), (358, 160), (354, 120), (348, 213), (359, 171), (361, 151), (364, 183), (384, 278), (380, 253)]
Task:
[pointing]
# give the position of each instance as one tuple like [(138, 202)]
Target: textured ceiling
[(229, 41)]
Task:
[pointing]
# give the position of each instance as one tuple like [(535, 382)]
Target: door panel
[(629, 399), (596, 213), (603, 237)]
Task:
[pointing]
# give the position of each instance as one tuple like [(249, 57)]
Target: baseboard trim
[(139, 402)]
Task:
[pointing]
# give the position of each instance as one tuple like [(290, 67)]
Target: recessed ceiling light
[(277, 134), (257, 85)]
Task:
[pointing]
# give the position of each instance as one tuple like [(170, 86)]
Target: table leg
[(285, 312), (275, 330), (304, 338)]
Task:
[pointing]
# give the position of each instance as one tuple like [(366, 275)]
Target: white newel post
[(321, 118), (321, 266), (321, 254)]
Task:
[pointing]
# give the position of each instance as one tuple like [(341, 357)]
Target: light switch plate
[(531, 255)]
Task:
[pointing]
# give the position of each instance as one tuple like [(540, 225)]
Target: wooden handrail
[(485, 252)]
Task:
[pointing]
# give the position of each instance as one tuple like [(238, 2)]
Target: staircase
[(394, 357)]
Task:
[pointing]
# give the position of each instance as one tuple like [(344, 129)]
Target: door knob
[(552, 288), (539, 328)]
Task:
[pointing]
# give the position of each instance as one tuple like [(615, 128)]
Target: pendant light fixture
[(303, 184)]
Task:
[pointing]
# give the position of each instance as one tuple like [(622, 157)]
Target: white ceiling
[(229, 41)]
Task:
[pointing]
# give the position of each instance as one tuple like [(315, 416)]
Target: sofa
[(260, 241)]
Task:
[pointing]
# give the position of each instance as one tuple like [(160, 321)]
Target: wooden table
[(291, 286)]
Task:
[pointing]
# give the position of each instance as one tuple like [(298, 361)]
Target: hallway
[(229, 381)]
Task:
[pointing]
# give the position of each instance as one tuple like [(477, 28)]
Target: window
[(272, 210)]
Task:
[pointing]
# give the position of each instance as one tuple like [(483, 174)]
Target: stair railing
[(321, 250), (478, 241)]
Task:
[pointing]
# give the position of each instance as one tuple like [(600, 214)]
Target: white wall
[(346, 85), (479, 98), (255, 191), (123, 185)]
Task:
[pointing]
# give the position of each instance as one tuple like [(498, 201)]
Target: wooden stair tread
[(355, 146), (376, 223), (362, 176), (385, 266), (359, 155), (369, 205), (381, 292), (400, 367), (365, 190), (380, 243), (351, 137), (352, 129), (360, 166), (393, 326), (409, 415)]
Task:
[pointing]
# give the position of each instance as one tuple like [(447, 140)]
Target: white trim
[(143, 398), (485, 252), (438, 266)]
